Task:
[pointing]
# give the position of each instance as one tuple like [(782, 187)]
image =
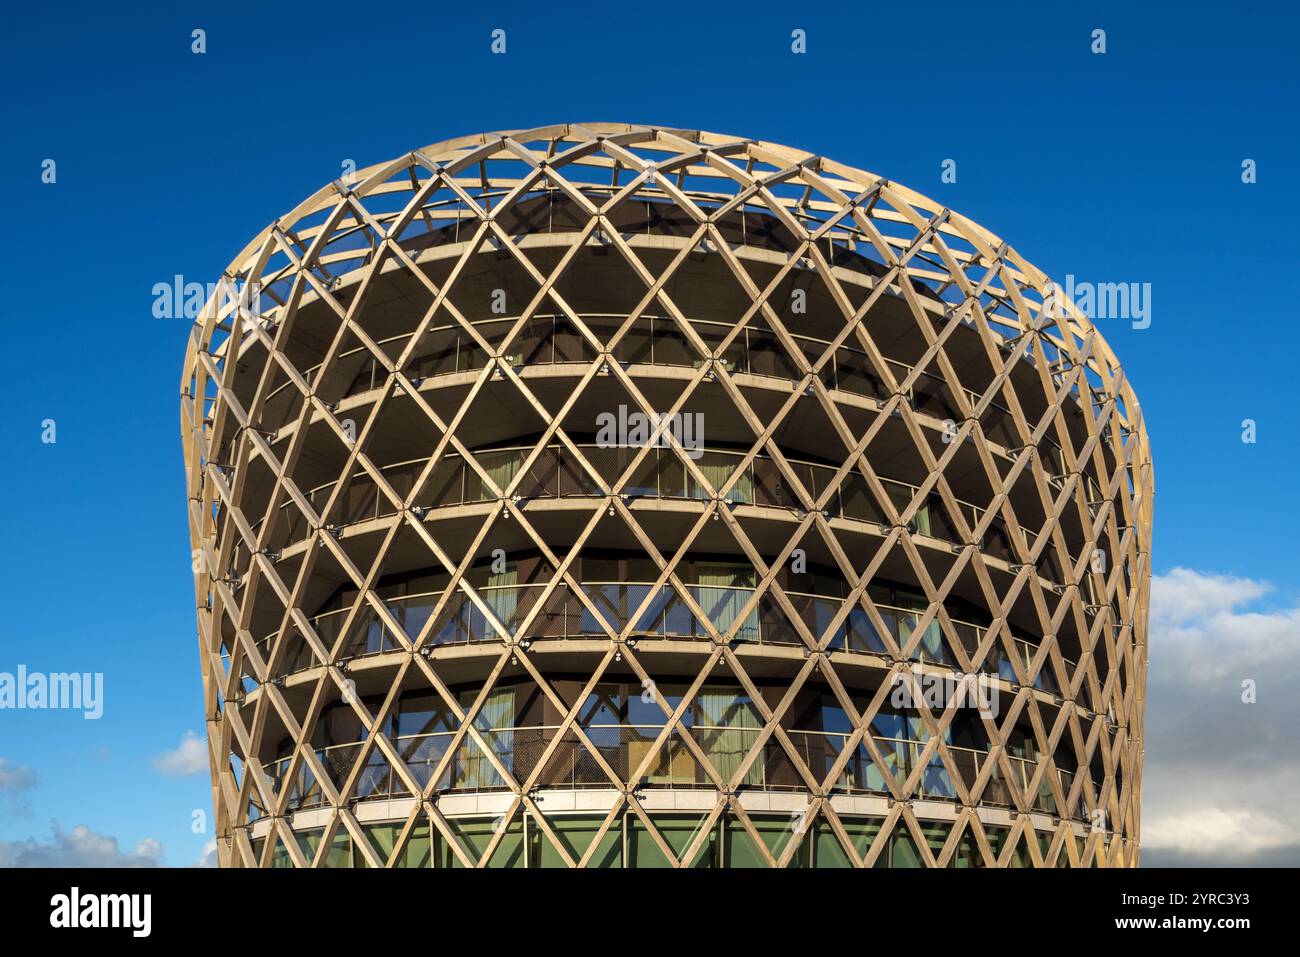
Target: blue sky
[(1120, 167)]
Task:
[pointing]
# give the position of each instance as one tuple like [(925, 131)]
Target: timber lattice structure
[(444, 622)]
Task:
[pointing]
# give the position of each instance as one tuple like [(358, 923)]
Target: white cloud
[(1185, 595), (190, 757), (80, 848), (209, 856), (16, 780), (15, 777), (1216, 830), (1220, 774)]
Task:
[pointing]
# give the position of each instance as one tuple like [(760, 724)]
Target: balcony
[(556, 473), (625, 748), (565, 616), (659, 341)]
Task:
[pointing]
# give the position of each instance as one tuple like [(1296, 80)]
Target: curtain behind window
[(495, 722), (502, 596), (501, 467), (727, 728), (717, 468), (722, 592)]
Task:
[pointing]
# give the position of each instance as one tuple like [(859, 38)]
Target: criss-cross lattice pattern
[(400, 378)]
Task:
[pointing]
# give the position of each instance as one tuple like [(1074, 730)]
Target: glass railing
[(627, 749), (564, 615), (556, 473), (652, 340)]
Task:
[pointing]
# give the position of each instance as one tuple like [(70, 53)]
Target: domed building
[(620, 496)]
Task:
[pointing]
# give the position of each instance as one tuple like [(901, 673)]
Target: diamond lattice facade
[(621, 496)]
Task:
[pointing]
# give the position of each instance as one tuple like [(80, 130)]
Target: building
[(609, 495)]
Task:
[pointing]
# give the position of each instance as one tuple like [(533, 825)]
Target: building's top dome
[(818, 203)]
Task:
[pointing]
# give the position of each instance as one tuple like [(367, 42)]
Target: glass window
[(678, 832), (576, 835), (606, 705)]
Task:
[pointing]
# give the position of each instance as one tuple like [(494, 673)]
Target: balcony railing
[(654, 340), (564, 615), (625, 747), (556, 473)]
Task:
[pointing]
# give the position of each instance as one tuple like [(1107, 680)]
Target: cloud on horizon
[(1220, 774), (209, 856), (81, 847)]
